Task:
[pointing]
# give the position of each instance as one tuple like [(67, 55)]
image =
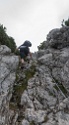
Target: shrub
[(41, 46), (65, 22), (6, 40)]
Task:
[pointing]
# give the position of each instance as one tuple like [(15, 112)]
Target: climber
[(24, 52)]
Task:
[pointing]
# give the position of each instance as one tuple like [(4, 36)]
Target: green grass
[(56, 87), (62, 88), (32, 123), (12, 106), (46, 118), (19, 88)]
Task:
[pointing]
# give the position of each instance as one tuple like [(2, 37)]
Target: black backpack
[(27, 43)]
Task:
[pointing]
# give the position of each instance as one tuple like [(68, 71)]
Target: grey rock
[(4, 50), (62, 118), (8, 66), (36, 116), (45, 100), (25, 122)]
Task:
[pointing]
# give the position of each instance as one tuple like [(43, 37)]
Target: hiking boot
[(22, 67)]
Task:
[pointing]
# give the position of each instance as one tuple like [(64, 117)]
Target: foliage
[(6, 40), (20, 86), (17, 52), (41, 46), (65, 22), (12, 44), (32, 123)]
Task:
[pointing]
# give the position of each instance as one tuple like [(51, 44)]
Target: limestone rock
[(8, 65), (41, 93)]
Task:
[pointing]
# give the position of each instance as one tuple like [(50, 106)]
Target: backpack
[(27, 43)]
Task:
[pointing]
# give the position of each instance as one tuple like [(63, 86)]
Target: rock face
[(46, 98), (58, 38), (40, 94), (8, 65)]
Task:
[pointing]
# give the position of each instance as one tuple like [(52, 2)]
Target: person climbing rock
[(24, 52)]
